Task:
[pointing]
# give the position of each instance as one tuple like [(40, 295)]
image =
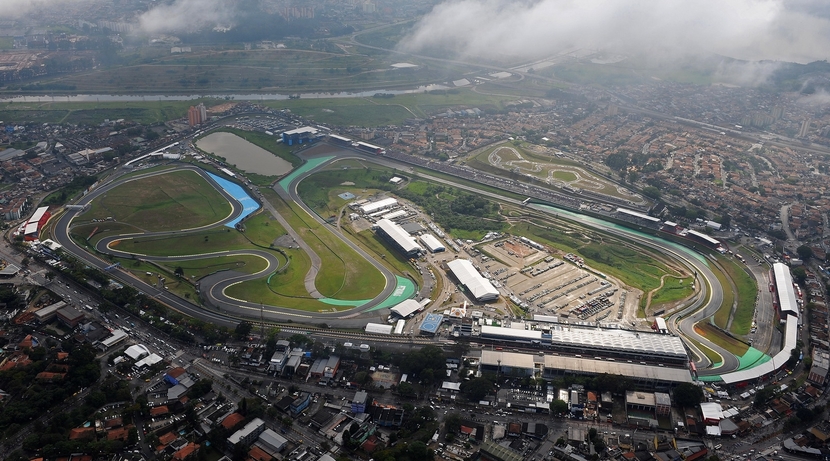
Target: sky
[(779, 30)]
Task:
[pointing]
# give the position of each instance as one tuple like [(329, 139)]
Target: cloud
[(15, 9), (187, 15), (785, 30)]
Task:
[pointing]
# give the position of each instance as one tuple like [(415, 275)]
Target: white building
[(480, 288)]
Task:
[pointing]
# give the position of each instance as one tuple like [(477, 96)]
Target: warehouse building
[(117, 337), (433, 244), (479, 287), (372, 207), (399, 238)]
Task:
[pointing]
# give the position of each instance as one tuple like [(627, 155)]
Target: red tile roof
[(232, 420)]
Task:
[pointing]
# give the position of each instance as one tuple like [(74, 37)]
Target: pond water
[(243, 154)]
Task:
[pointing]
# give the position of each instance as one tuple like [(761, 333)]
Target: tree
[(688, 395), (243, 329), (804, 252), (800, 275), (476, 389), (763, 396), (179, 272), (558, 407)]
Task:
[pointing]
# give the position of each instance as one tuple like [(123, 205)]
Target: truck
[(364, 348)]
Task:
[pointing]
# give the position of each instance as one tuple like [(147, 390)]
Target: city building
[(247, 434)]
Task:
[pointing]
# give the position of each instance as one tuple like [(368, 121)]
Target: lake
[(244, 155)]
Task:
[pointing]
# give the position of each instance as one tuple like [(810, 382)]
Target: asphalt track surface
[(213, 287), (229, 309)]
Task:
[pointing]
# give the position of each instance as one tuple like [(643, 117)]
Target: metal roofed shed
[(433, 244), (480, 288), (372, 207), (401, 238), (378, 328), (406, 308), (431, 324)]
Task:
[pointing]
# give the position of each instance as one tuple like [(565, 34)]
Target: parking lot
[(553, 285)]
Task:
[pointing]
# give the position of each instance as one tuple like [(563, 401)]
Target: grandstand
[(784, 296), (778, 360)]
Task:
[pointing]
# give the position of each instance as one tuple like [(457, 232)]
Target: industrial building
[(433, 244), (137, 352), (382, 204), (395, 235), (479, 287), (70, 316)]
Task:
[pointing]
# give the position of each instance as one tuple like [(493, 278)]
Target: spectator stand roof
[(466, 273), (784, 289), (431, 323), (621, 340)]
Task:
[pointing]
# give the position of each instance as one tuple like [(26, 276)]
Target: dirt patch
[(285, 241)]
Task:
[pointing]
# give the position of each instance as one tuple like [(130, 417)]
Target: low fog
[(777, 30), (188, 15)]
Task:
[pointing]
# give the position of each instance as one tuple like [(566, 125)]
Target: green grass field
[(198, 268), (208, 241), (674, 289), (733, 346), (93, 113), (344, 274), (747, 291), (167, 201)]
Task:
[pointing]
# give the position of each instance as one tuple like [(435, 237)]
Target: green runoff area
[(169, 200), (742, 297)]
